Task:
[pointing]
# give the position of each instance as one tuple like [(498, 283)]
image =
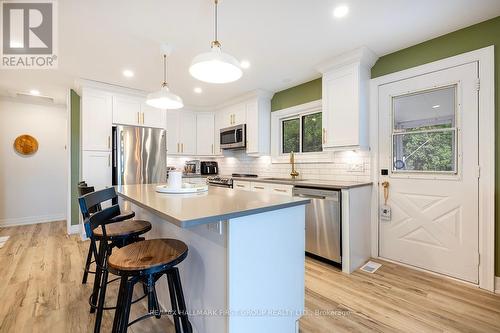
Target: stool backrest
[(103, 217), (84, 189), (95, 199)]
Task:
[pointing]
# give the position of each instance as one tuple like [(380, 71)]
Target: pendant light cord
[(216, 23), (164, 71)]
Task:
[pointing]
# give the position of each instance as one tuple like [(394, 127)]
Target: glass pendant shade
[(164, 99), (215, 67)]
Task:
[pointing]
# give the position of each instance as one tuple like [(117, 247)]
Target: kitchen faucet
[(294, 172)]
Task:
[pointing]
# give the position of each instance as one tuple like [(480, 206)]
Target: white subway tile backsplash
[(337, 169)]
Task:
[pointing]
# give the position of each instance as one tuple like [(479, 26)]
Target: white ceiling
[(282, 39)]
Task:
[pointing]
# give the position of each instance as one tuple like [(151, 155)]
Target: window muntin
[(424, 133)]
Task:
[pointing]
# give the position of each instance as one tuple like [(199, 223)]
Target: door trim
[(485, 59)]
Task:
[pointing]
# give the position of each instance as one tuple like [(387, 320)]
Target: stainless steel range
[(220, 181), (226, 181)]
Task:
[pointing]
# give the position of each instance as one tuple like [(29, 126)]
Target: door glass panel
[(291, 135), (424, 131)]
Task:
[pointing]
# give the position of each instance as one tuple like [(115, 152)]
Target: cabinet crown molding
[(258, 93), (362, 55)]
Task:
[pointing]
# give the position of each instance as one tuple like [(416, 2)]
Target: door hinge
[(478, 84), (478, 171)]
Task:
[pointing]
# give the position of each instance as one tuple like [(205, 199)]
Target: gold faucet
[(294, 172)]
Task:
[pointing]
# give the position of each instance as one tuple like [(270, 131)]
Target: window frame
[(455, 129), (277, 157)]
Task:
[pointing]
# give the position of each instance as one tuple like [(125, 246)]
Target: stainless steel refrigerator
[(139, 155)]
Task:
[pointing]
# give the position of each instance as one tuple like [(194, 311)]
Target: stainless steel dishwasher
[(323, 222)]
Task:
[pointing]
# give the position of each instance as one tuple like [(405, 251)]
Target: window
[(302, 133), (424, 131)]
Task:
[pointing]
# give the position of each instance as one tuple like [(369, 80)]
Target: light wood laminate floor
[(40, 291)]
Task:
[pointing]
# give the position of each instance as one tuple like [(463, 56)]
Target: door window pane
[(291, 135), (425, 151), (312, 133), (425, 110), (424, 131)]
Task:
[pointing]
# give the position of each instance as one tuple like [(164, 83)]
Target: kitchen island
[(245, 267)]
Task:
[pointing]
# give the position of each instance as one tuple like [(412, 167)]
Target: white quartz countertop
[(188, 210)]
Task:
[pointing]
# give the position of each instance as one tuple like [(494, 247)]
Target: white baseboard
[(497, 284), (12, 222), (74, 229)]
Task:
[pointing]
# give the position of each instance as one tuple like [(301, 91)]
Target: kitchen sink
[(282, 179)]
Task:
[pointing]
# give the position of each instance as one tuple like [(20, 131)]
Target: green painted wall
[(471, 38), (75, 155), (306, 92)]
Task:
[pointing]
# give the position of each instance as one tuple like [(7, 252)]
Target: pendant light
[(215, 66), (164, 98)]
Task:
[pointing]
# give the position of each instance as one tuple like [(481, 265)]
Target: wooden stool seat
[(127, 228), (146, 255)]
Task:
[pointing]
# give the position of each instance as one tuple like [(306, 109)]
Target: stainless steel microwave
[(234, 137)]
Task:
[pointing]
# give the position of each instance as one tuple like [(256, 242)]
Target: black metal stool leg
[(102, 297), (87, 264), (120, 304), (186, 325), (128, 303), (98, 273), (173, 301)]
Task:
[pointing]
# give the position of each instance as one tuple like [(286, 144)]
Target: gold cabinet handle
[(138, 118), (212, 148), (182, 147), (109, 142), (258, 187), (178, 149), (324, 135), (109, 160), (143, 118), (239, 185), (279, 190)]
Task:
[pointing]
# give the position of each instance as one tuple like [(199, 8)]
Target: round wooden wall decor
[(26, 144)]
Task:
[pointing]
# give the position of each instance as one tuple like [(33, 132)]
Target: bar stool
[(111, 233), (83, 189), (146, 262)]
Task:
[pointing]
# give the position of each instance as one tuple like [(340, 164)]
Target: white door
[(428, 140), (205, 134)]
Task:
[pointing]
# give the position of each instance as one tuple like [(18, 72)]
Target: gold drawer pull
[(279, 190), (258, 187)]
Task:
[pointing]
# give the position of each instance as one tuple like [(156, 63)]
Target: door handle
[(385, 185)]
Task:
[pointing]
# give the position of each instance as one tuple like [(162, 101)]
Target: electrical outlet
[(356, 167), (215, 227)]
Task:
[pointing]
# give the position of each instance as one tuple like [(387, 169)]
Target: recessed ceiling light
[(340, 11), (198, 90), (436, 106), (34, 92), (245, 64), (128, 73)]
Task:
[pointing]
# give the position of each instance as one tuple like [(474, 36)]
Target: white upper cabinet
[(205, 133), (345, 100), (181, 132), (97, 118), (127, 110), (153, 117), (133, 111), (258, 112), (232, 115)]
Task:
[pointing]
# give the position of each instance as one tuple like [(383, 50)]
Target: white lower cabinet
[(97, 168), (263, 187)]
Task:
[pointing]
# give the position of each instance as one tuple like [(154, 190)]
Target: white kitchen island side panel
[(203, 273), (266, 271), (249, 277)]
